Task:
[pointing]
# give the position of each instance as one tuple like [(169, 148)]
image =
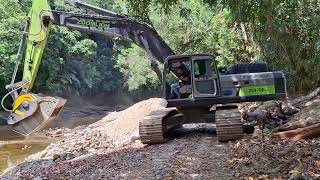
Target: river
[(14, 148)]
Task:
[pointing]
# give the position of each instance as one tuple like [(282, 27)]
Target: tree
[(286, 33), (73, 62), (134, 64), (193, 27), (11, 21)]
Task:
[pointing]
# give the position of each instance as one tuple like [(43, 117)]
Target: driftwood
[(297, 124), (308, 97), (298, 134), (310, 115), (275, 116)]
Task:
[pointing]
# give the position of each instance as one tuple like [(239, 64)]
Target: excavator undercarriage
[(158, 125)]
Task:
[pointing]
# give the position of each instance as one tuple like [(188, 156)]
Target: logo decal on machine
[(92, 23), (257, 90)]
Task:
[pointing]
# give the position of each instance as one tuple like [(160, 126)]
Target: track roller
[(152, 128), (228, 124)]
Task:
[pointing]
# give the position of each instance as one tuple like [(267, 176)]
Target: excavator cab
[(203, 77), (207, 87)]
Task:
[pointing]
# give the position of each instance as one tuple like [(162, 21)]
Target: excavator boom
[(37, 36), (32, 112)]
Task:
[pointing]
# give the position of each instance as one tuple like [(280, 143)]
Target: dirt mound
[(115, 130)]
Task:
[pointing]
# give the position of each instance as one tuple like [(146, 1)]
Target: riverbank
[(111, 149), (14, 148)]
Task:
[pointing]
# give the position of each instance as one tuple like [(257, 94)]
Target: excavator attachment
[(32, 113)]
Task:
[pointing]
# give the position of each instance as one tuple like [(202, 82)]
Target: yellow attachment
[(19, 113), (20, 100)]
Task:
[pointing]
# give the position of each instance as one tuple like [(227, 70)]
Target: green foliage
[(187, 28), (230, 42), (74, 64), (289, 35), (195, 27), (141, 8), (133, 63), (11, 21), (284, 33)]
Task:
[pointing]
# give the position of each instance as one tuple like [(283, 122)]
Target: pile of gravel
[(113, 131)]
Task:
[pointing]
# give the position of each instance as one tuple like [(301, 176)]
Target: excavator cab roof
[(175, 61)]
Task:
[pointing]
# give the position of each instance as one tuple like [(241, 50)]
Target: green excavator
[(208, 96)]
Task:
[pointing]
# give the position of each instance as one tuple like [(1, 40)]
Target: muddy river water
[(15, 148)]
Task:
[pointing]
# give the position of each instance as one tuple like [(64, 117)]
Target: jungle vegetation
[(283, 33)]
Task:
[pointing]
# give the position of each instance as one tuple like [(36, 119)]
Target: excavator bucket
[(32, 113)]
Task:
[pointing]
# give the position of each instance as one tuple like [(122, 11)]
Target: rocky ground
[(110, 149), (180, 158), (254, 158)]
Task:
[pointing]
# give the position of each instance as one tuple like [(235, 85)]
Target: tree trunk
[(308, 97), (245, 37), (298, 134)]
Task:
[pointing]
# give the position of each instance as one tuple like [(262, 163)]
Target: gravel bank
[(108, 149), (177, 159)]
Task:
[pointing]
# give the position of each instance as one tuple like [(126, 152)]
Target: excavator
[(209, 96)]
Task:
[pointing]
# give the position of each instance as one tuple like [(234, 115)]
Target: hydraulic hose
[(4, 98)]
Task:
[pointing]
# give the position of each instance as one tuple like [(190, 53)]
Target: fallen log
[(308, 97), (274, 115), (298, 134), (296, 124), (310, 115)]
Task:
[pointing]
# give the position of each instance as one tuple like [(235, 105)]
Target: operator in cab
[(184, 79)]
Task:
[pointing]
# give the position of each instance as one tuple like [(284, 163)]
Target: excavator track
[(153, 128), (228, 124)]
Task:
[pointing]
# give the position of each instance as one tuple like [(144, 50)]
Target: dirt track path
[(197, 156), (193, 157)]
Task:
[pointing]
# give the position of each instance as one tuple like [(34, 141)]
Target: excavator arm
[(104, 22), (32, 112), (123, 27)]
